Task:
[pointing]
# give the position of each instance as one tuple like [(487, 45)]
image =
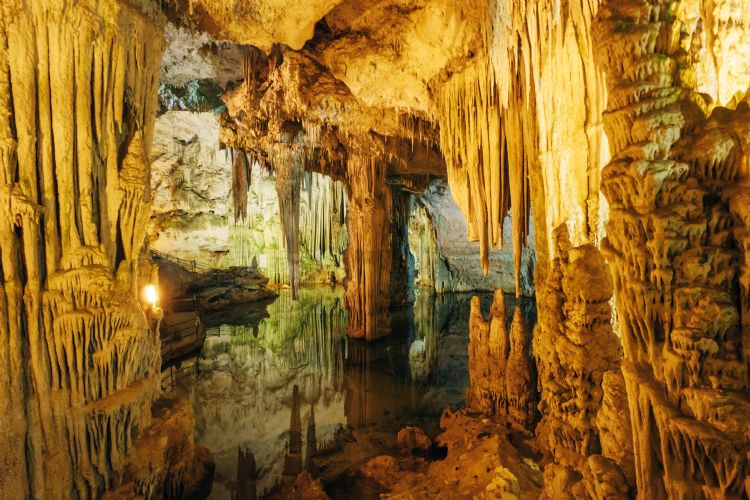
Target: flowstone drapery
[(79, 355), (673, 236)]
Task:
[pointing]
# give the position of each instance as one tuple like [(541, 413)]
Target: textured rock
[(671, 249), (78, 356), (447, 261), (480, 463), (413, 439), (575, 347)]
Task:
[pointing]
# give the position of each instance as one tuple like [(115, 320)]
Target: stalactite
[(368, 256), (484, 179), (672, 246), (241, 180)]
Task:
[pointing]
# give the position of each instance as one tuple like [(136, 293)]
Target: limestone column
[(79, 359), (369, 254), (672, 248)]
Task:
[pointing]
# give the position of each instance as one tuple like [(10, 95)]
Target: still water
[(279, 388)]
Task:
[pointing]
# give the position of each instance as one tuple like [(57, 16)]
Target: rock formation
[(500, 366), (506, 101), (575, 348), (671, 245), (79, 353)]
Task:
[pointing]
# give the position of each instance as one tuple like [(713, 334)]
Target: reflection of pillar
[(312, 443), (358, 382), (293, 458), (373, 393), (247, 476), (368, 256)]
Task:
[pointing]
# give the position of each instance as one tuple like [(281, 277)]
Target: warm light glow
[(151, 294), (263, 261)]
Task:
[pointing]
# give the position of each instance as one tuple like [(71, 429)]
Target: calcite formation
[(500, 366), (79, 354), (575, 348), (369, 253), (672, 243)]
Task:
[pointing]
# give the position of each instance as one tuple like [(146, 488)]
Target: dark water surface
[(283, 390)]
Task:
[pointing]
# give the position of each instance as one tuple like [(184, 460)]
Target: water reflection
[(288, 391)]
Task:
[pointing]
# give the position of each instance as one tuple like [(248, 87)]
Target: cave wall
[(193, 208), (79, 358), (675, 244), (448, 262)]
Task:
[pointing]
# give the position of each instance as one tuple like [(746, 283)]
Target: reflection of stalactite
[(247, 476), (78, 361), (312, 444), (500, 365), (368, 255), (673, 257)]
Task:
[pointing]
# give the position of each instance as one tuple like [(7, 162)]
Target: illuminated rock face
[(575, 348), (79, 354), (79, 357), (675, 223), (369, 253)]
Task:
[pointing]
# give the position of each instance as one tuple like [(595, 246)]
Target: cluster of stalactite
[(502, 373), (289, 165), (500, 129), (323, 224), (79, 359), (575, 348), (368, 255), (487, 168), (676, 224)]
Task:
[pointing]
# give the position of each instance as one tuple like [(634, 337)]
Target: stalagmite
[(672, 247), (575, 347), (501, 370)]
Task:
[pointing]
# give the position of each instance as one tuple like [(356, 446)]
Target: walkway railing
[(191, 265)]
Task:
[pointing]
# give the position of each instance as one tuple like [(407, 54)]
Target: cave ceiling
[(336, 75)]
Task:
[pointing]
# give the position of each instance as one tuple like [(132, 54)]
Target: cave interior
[(268, 190)]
